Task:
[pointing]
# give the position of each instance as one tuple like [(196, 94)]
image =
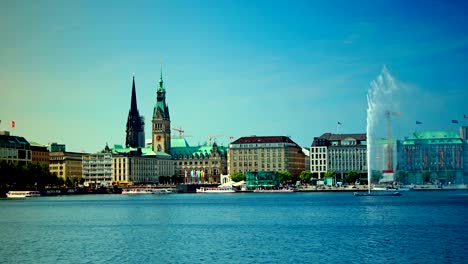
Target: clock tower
[(161, 121)]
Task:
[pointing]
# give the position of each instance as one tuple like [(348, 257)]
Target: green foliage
[(26, 176), (238, 176), (330, 174), (376, 176), (305, 176), (402, 176), (284, 176), (426, 176), (352, 177)]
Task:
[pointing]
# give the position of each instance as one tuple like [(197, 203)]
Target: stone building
[(340, 153), (265, 153), (203, 163), (432, 156), (66, 164), (39, 153)]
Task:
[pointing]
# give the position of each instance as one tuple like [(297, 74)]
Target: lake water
[(418, 227)]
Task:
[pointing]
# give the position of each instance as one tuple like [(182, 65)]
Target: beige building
[(140, 169), (66, 164), (270, 153)]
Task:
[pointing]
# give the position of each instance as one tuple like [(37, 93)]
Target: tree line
[(29, 176)]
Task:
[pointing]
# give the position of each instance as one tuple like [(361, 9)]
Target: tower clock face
[(158, 138)]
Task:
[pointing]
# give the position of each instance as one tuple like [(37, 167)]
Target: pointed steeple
[(133, 105), (161, 82), (135, 123)]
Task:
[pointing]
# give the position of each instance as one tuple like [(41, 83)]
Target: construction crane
[(388, 114), (180, 130), (211, 137)]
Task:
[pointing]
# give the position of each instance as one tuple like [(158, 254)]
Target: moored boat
[(162, 191), (23, 194), (137, 191), (216, 190)]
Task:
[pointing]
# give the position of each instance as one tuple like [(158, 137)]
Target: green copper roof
[(179, 146), (433, 137), (179, 143)]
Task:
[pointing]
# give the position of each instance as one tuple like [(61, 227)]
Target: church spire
[(135, 124), (133, 105)]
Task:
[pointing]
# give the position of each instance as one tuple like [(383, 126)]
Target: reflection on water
[(239, 228)]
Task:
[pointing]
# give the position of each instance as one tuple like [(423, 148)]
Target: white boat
[(274, 191), (137, 191), (216, 190), (162, 191), (23, 194)]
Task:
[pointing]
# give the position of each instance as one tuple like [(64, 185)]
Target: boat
[(216, 190), (137, 191), (162, 191), (23, 194), (274, 190)]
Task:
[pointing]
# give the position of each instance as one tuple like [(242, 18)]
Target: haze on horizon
[(231, 68)]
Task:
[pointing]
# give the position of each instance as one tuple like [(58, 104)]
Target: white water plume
[(381, 101)]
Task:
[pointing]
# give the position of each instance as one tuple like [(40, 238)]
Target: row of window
[(255, 164)]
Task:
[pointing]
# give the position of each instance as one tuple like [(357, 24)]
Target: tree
[(376, 176), (330, 174), (238, 176), (284, 176), (426, 176), (305, 176), (402, 177), (352, 177)]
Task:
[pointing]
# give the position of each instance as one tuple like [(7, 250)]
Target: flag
[(455, 121), (339, 123), (231, 137), (13, 124), (418, 122)]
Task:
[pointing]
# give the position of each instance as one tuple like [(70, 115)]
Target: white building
[(138, 166), (340, 153), (97, 169)]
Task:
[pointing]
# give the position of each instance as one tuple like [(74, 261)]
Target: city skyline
[(232, 68)]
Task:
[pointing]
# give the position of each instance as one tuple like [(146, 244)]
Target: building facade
[(200, 163), (14, 149), (135, 124), (139, 166), (66, 164), (432, 157), (340, 153), (265, 153), (39, 154), (97, 169), (161, 130)]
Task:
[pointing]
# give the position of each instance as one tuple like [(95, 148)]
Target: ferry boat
[(23, 194), (216, 190), (137, 191)]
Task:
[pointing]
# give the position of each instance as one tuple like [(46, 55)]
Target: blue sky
[(231, 68)]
